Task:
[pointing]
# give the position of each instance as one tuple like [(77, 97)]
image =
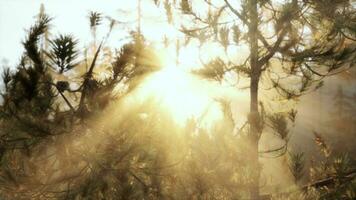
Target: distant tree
[(341, 103), (292, 46), (341, 122), (332, 176)]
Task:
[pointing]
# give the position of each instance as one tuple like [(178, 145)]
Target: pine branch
[(237, 13), (274, 49), (88, 76)]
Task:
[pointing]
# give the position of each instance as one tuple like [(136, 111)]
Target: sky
[(71, 17), (18, 15)]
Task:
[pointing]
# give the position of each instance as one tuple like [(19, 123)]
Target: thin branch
[(88, 76), (273, 150), (239, 15), (274, 49), (66, 100)]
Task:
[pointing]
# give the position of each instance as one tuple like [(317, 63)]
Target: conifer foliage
[(67, 133), (292, 46), (47, 110), (68, 129)]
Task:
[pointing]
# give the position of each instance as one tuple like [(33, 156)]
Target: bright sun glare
[(184, 95)]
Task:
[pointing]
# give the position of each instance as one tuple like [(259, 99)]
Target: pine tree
[(342, 122), (43, 114), (290, 43)]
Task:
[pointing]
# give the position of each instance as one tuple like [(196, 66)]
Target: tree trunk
[(254, 118), (254, 133)]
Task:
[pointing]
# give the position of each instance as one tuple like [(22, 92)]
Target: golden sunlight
[(182, 94), (185, 95), (177, 99)]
